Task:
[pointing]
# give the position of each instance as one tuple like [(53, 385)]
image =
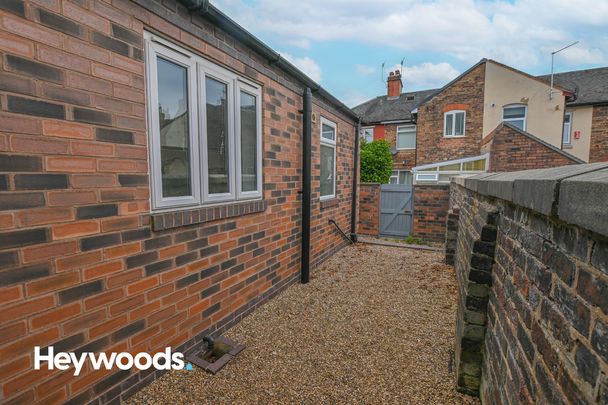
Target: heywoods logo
[(142, 361)]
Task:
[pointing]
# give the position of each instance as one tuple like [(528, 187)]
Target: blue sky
[(343, 43)]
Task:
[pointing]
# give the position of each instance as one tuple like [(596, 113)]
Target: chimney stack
[(394, 84)]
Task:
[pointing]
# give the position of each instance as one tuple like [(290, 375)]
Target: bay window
[(328, 159), (454, 123), (205, 130)]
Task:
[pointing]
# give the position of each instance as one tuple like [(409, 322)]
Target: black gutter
[(353, 210), (207, 10), (306, 183)]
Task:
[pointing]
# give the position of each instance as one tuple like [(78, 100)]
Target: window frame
[(569, 143), (332, 144), (363, 133), (199, 69), (154, 49), (397, 136), (509, 120), (464, 123)]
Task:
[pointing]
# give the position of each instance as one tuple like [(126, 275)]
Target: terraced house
[(163, 173), (490, 118)]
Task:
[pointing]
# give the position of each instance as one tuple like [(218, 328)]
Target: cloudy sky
[(342, 43)]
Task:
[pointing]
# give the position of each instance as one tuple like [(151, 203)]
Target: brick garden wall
[(466, 94), (511, 150), (369, 209), (598, 151), (532, 324), (431, 204), (82, 266)]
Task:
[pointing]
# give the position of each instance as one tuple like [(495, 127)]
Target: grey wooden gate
[(396, 209)]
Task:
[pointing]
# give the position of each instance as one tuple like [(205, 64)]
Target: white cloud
[(520, 33), (365, 70), (306, 65), (426, 75)]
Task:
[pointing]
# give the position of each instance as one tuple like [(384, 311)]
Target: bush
[(376, 162)]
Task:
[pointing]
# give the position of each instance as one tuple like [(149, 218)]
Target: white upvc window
[(328, 158), (401, 177), (367, 134), (515, 114), (205, 130), (567, 134), (406, 137), (454, 123), (442, 172)]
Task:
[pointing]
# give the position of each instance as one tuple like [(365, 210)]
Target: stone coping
[(577, 194)]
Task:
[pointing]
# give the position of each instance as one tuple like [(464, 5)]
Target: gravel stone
[(374, 325)]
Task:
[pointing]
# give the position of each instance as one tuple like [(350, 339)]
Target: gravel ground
[(374, 325)]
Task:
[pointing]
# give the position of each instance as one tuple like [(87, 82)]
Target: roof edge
[(213, 14)]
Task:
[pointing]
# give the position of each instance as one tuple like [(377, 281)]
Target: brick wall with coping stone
[(430, 211), (511, 150), (369, 209), (468, 92), (81, 266), (532, 324), (598, 151)]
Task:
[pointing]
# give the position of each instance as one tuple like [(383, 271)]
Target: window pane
[(566, 134), (459, 127), (328, 132), (327, 170), (405, 177), (368, 134), (514, 112), (518, 123), (448, 124), (217, 136), (406, 138), (455, 167), (477, 165), (173, 120), (248, 143)]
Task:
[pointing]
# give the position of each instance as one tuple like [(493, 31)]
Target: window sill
[(567, 146), (398, 149), (454, 136), (175, 219), (328, 203)]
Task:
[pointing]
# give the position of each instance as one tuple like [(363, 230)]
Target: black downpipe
[(353, 210), (306, 183)]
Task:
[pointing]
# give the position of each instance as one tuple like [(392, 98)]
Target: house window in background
[(367, 134), (328, 159), (205, 130), (454, 123), (406, 137), (515, 115), (566, 136), (401, 177)]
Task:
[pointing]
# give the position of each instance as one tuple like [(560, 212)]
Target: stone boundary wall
[(531, 258)]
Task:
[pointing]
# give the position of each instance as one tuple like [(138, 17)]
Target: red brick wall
[(369, 209), (510, 150), (378, 132), (403, 159), (431, 205), (80, 264), (467, 92), (599, 135)]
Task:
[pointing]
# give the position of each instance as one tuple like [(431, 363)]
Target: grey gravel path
[(375, 325)]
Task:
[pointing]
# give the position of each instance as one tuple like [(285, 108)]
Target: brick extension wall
[(403, 159), (532, 324), (598, 151), (81, 267), (431, 204), (432, 146), (511, 150), (369, 209)]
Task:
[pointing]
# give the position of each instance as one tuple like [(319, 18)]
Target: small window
[(406, 137), (401, 177), (367, 134), (515, 115), (205, 130), (427, 177), (328, 159), (454, 123), (566, 137)]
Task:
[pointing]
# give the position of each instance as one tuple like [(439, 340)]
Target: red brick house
[(154, 184), (440, 127)]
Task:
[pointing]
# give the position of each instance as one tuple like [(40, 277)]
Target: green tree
[(376, 161)]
